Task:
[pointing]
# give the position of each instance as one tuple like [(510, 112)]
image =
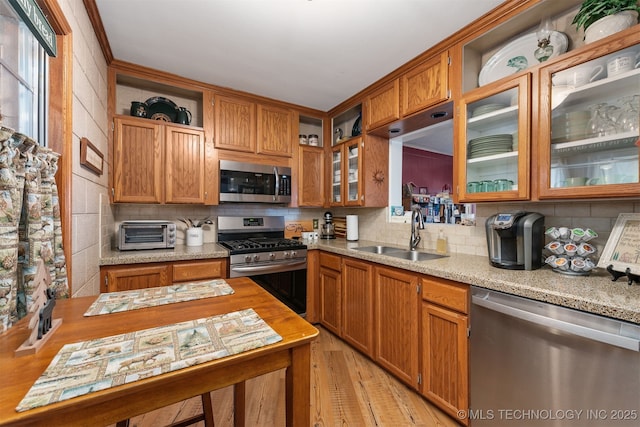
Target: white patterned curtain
[(30, 225)]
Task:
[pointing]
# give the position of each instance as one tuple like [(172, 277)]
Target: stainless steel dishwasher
[(538, 364)]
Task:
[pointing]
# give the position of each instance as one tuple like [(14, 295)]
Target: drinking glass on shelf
[(599, 124), (629, 116)]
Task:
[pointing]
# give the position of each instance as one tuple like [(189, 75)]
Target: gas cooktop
[(261, 244)]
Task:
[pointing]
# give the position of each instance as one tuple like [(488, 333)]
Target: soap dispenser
[(441, 244)]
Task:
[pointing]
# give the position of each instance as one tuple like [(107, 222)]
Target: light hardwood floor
[(347, 389)]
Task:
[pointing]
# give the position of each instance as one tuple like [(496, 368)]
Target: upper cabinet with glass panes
[(589, 113)]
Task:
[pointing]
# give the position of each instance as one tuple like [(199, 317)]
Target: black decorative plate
[(357, 126), (160, 108)]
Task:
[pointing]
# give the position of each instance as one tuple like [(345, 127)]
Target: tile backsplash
[(374, 224)]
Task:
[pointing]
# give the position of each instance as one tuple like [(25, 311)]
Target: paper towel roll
[(352, 227)]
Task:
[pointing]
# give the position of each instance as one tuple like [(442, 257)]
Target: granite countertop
[(595, 293), (180, 253)]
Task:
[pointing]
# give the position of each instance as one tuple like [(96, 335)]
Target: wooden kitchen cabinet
[(311, 167), (184, 170), (425, 85), (243, 125), (137, 162), (140, 276), (157, 163), (444, 355), (187, 271), (383, 106), (589, 131), (330, 290), (357, 310), (275, 131), (234, 123), (493, 144), (359, 169), (115, 278), (396, 335)]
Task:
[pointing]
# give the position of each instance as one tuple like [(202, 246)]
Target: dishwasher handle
[(579, 330)]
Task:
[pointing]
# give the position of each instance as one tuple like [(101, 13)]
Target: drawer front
[(334, 262), (446, 294), (199, 270)]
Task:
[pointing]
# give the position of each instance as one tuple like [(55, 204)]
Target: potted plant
[(600, 18)]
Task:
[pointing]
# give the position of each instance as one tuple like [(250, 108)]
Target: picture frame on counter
[(622, 251), (90, 157)]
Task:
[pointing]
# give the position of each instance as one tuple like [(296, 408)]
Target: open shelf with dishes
[(508, 46), (158, 101)]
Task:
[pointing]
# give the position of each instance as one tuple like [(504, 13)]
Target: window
[(23, 77)]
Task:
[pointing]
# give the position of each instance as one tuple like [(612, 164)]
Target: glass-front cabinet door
[(336, 176), (353, 166), (589, 124), (346, 167), (493, 142)]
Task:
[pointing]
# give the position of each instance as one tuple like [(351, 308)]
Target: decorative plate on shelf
[(518, 55), (160, 108)]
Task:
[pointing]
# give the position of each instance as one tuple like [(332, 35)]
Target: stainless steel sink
[(415, 255), (399, 253), (379, 249)]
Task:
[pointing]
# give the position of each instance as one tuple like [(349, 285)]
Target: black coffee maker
[(328, 229), (515, 240)]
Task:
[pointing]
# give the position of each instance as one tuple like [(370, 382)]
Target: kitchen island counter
[(595, 293)]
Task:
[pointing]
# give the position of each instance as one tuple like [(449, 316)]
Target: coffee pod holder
[(564, 257)]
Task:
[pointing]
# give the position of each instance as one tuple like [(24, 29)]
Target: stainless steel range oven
[(257, 248)]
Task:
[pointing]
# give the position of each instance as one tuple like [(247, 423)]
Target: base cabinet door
[(187, 271), (445, 358), (396, 300), (330, 292), (134, 276), (444, 355), (357, 312)]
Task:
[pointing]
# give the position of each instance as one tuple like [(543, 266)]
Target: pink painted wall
[(426, 169)]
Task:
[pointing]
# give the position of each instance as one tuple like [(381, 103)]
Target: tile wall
[(375, 226), (89, 109)]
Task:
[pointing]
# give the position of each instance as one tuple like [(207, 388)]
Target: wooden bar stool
[(207, 410), (206, 415)]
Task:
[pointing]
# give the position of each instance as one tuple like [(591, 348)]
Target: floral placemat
[(89, 366), (115, 302)]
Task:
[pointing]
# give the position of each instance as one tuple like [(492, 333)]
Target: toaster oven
[(146, 234)]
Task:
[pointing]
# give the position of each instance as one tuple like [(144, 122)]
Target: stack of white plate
[(487, 108), (570, 126), (490, 145)]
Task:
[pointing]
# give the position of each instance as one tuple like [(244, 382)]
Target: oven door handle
[(271, 268)]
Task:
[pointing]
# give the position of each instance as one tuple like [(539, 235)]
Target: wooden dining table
[(18, 374)]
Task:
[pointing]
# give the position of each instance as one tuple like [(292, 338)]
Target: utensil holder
[(195, 236)]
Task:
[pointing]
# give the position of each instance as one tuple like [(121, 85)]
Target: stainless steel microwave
[(136, 235), (254, 183)]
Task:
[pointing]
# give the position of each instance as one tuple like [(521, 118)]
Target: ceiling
[(312, 53)]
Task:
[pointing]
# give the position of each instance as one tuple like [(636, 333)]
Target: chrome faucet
[(416, 216)]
